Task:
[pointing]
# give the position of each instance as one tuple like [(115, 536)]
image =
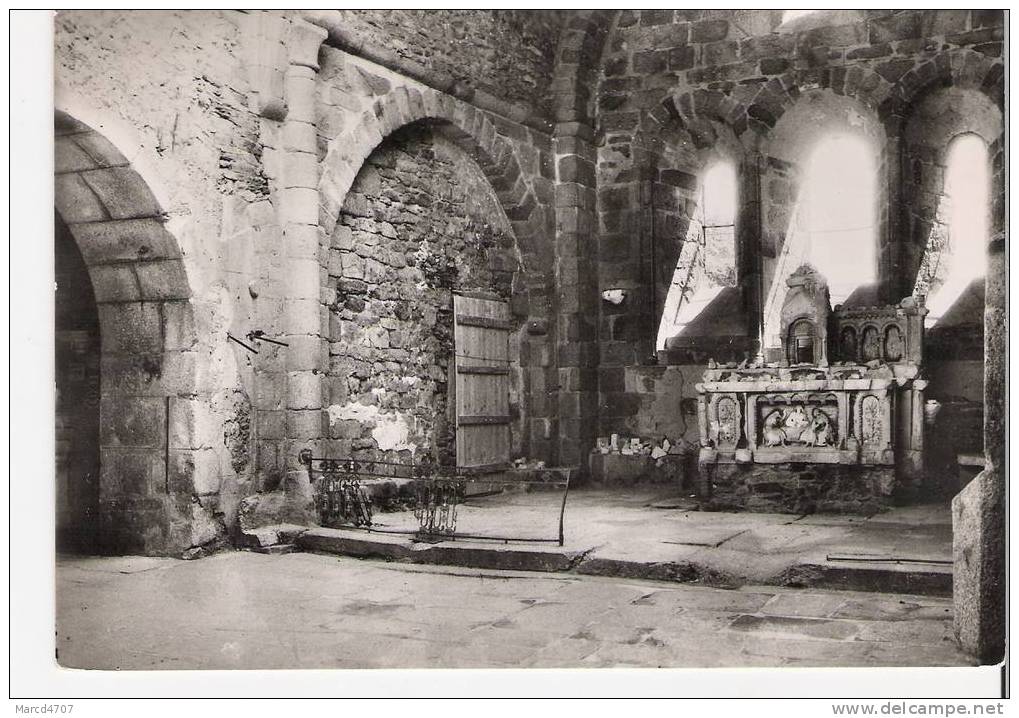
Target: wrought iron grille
[(344, 500), (439, 491)]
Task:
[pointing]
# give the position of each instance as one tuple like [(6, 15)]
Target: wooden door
[(482, 365)]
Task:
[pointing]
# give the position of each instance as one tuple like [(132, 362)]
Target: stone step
[(474, 554), (925, 579), (276, 549), (898, 576), (266, 536)]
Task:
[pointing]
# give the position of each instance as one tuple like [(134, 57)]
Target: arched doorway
[(77, 368), (420, 231), (127, 369)]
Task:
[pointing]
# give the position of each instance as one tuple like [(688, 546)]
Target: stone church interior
[(329, 271)]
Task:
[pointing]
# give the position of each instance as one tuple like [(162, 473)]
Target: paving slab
[(248, 610), (628, 534)]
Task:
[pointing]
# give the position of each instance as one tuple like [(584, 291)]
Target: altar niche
[(806, 434)]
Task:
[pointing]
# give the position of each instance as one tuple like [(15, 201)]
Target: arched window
[(833, 226), (838, 215), (707, 261), (962, 261)]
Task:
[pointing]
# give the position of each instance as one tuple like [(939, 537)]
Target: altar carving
[(854, 401), (826, 415), (782, 427), (891, 334)]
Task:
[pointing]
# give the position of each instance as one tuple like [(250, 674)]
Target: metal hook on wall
[(258, 335), (232, 338)]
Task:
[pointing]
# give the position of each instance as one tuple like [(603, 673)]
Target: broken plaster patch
[(390, 431)]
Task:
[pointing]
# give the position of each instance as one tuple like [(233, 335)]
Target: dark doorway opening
[(77, 398)]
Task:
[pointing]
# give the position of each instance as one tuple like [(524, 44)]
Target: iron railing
[(438, 492)]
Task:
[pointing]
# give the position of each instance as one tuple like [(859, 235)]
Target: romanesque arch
[(523, 194), (816, 116), (960, 68), (148, 338), (578, 64), (473, 131)]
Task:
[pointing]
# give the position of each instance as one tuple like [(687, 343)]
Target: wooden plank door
[(482, 365)]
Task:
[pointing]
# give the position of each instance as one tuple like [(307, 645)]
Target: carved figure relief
[(782, 427), (773, 432), (871, 420), (847, 344), (795, 422), (820, 432), (728, 421), (871, 344), (893, 343)]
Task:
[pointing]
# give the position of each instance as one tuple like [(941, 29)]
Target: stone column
[(978, 511), (577, 292), (891, 237), (300, 215), (912, 455), (750, 248)]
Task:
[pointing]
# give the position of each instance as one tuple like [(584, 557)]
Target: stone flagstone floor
[(247, 610)]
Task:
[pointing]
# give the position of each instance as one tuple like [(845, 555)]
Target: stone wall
[(159, 177), (419, 223), (362, 104), (651, 402), (674, 84), (187, 189), (505, 53)]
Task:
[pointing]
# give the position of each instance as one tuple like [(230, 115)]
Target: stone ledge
[(364, 544), (673, 571), (883, 576)]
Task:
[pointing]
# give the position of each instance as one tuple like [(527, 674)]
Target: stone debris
[(656, 449)]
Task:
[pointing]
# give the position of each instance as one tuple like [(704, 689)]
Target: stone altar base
[(796, 488), (608, 470)]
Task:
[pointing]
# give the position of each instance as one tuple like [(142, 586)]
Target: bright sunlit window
[(707, 262), (834, 226), (967, 196), (839, 214)]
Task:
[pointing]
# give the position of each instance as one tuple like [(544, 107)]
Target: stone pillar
[(978, 511), (300, 215), (892, 284), (750, 248), (912, 462), (577, 292)]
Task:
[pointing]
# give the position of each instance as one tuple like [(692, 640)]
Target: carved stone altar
[(804, 434)]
